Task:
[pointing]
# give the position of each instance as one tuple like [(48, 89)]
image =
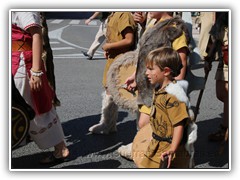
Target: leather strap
[(158, 138), (21, 46)]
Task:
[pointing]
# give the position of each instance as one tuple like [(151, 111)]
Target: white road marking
[(56, 34), (56, 21), (61, 48), (77, 56), (93, 23), (54, 42), (74, 21)]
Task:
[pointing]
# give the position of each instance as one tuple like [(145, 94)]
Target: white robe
[(45, 129)]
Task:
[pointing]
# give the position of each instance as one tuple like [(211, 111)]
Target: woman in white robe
[(30, 79)]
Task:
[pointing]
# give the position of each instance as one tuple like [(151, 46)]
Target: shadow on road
[(207, 152), (106, 164), (99, 151), (83, 143), (30, 161)]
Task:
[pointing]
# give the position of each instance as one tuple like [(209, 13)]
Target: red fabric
[(225, 54), (16, 60), (20, 34), (42, 100)]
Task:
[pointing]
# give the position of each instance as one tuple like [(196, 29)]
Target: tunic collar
[(158, 90)]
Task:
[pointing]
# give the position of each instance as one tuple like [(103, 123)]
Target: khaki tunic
[(166, 112), (117, 23)]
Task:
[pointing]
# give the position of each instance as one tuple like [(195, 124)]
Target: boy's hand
[(170, 156), (131, 83)]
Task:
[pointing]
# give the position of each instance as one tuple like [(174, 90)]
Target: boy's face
[(154, 74)]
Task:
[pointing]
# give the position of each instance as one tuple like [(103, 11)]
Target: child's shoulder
[(122, 14)]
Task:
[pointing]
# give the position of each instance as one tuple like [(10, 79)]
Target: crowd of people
[(163, 43)]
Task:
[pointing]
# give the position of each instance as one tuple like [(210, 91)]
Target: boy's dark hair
[(165, 57)]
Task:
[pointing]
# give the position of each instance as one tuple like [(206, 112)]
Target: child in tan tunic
[(120, 38), (169, 113)]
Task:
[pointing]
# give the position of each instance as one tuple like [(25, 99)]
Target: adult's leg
[(222, 95), (99, 38)]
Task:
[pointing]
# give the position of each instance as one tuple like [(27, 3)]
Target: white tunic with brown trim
[(45, 129)]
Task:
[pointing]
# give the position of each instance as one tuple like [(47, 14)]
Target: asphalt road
[(78, 84)]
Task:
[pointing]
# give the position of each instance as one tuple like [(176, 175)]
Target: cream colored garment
[(207, 21)]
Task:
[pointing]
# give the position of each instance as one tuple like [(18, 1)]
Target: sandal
[(53, 160), (219, 135)]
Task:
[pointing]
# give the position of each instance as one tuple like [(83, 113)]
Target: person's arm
[(92, 17), (176, 140), (36, 70), (183, 55), (127, 41), (211, 51), (131, 82)]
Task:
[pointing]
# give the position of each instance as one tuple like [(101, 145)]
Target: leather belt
[(158, 138), (21, 46)]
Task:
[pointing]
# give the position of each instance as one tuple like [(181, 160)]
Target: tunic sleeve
[(126, 20), (28, 19), (177, 111), (180, 42)]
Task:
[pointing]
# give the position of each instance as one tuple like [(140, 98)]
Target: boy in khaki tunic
[(170, 111), (120, 38), (154, 37)]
